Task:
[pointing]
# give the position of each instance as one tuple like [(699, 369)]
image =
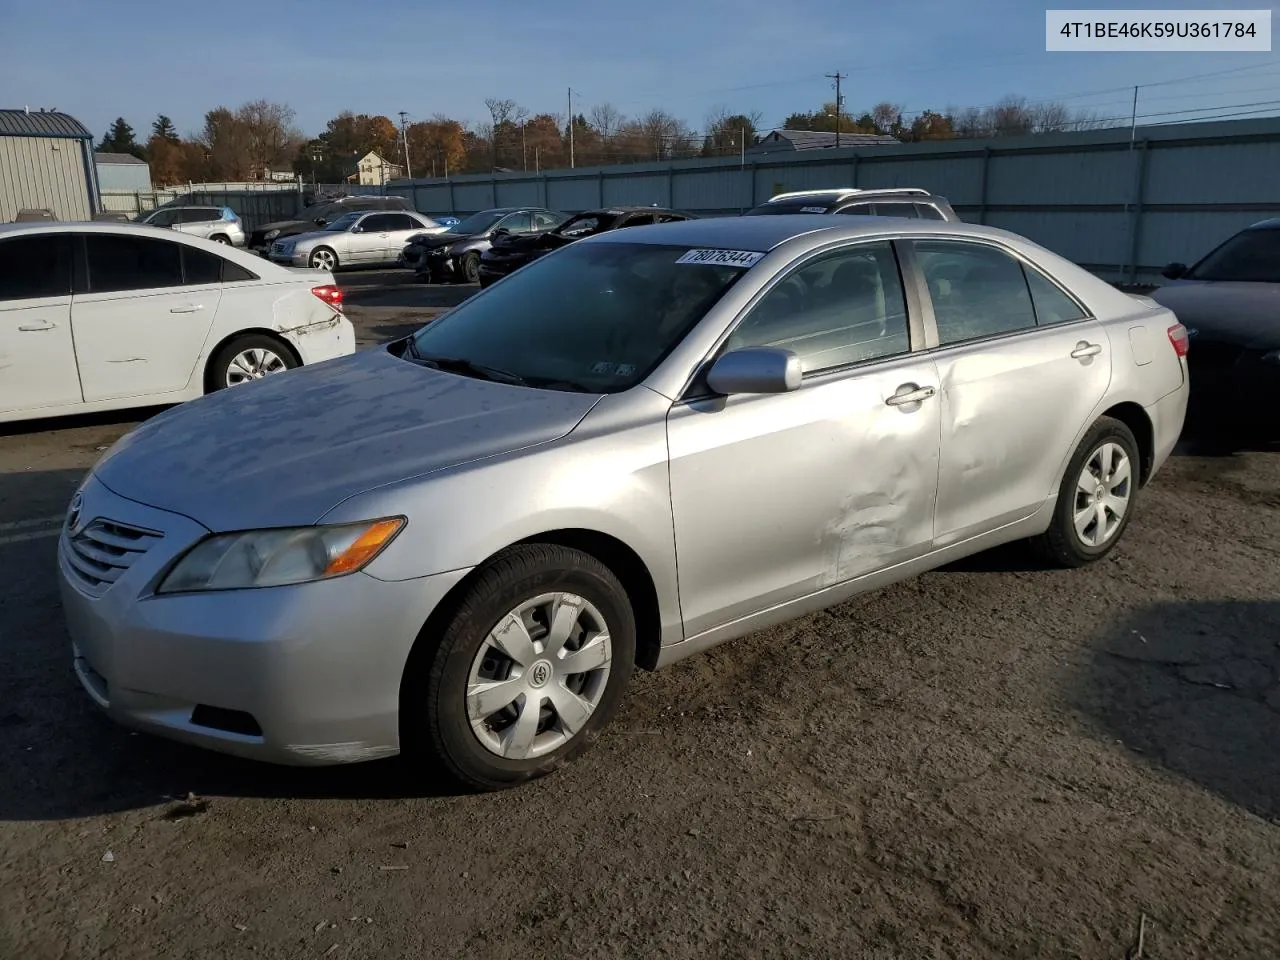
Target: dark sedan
[(455, 253), (512, 252), (1230, 304)]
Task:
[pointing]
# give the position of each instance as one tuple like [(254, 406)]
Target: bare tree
[(1011, 117), (607, 120), (270, 138), (887, 118), (1050, 118)]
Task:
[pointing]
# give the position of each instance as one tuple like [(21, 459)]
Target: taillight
[(1178, 337), (329, 294)]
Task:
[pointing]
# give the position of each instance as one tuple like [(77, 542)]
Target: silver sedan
[(369, 238), (644, 444)]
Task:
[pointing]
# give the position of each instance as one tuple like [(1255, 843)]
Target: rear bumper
[(1167, 416)]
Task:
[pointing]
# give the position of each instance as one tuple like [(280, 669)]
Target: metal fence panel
[(1216, 173), (640, 191)]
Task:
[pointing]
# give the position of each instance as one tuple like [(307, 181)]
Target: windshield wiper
[(467, 367)]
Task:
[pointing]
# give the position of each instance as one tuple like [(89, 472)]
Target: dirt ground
[(989, 761)]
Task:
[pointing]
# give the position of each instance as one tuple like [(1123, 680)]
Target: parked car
[(455, 253), (355, 239), (34, 215), (510, 252), (1230, 303), (910, 202), (460, 544), (447, 222), (103, 316), (219, 224), (321, 215)]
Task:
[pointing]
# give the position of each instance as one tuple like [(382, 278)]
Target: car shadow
[(1192, 688), (107, 418), (62, 758)]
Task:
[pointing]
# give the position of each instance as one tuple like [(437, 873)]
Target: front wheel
[(322, 258), (1096, 499), (531, 665), (469, 266)]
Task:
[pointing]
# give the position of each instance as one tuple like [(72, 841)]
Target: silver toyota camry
[(461, 544), (360, 238)]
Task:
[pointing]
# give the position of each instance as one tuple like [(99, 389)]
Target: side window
[(859, 210), (400, 221), (896, 210), (638, 220), (977, 290), (200, 266), (164, 218), (543, 221), (928, 211), (35, 267), (196, 215), (842, 308), (378, 223), (118, 262), (1051, 303), (517, 223)]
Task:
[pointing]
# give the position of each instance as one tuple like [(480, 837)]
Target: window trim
[(695, 388), (1023, 261)]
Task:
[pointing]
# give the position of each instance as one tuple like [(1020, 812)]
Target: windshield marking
[(732, 258)]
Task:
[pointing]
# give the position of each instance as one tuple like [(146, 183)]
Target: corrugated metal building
[(46, 161), (118, 172)]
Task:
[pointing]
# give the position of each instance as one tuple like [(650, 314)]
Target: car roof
[(1272, 223), (765, 233)]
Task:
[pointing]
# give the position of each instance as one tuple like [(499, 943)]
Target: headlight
[(273, 558), (1272, 357), (271, 235)]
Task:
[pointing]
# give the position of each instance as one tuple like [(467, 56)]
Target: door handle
[(36, 328), (1086, 349), (910, 393), (187, 308)]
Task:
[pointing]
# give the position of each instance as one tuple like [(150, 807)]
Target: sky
[(99, 59)]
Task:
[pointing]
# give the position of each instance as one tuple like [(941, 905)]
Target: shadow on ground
[(411, 297), (1193, 687)]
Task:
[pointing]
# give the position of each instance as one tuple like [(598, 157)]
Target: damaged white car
[(107, 316)]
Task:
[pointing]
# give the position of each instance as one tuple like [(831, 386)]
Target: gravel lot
[(989, 761)]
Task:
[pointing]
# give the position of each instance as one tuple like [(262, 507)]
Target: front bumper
[(302, 675)]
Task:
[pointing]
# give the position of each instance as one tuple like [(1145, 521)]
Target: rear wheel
[(251, 357), (1096, 499), (221, 238), (531, 665)]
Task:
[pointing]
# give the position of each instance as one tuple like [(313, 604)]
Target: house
[(374, 170), (47, 159), (787, 141), (122, 172)]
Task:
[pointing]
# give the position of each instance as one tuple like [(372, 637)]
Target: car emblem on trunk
[(73, 513)]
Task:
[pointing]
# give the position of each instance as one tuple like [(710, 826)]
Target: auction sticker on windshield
[(731, 258)]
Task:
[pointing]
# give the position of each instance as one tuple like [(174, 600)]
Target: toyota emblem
[(73, 513)]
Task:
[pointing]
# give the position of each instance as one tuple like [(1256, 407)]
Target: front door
[(399, 228), (778, 496), (139, 329), (1022, 369), (37, 356)]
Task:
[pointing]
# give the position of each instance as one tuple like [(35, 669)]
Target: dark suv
[(319, 215), (910, 202)]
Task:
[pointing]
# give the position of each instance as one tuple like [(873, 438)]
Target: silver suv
[(219, 224), (910, 202)]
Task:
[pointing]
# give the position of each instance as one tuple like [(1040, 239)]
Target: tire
[(250, 357), (323, 258), (221, 238), (1064, 544), (469, 267), (437, 714)]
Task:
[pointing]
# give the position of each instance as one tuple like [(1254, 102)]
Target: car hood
[(287, 449), (1245, 314), (313, 235), (433, 241)]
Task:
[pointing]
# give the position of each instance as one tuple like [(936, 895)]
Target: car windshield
[(477, 222), (585, 223), (345, 221), (596, 317), (1252, 256)]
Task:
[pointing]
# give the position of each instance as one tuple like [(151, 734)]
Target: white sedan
[(107, 316)]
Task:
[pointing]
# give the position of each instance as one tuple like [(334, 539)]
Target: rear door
[(140, 327), (1022, 368), (369, 239), (400, 227), (37, 354)]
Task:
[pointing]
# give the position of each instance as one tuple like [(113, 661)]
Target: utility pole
[(837, 77), (571, 128), (1133, 118), (524, 147), (744, 147), (404, 131)]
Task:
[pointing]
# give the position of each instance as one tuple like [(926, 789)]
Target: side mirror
[(1175, 271), (755, 370), (321, 221)]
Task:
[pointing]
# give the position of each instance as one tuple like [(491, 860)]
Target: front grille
[(104, 550)]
